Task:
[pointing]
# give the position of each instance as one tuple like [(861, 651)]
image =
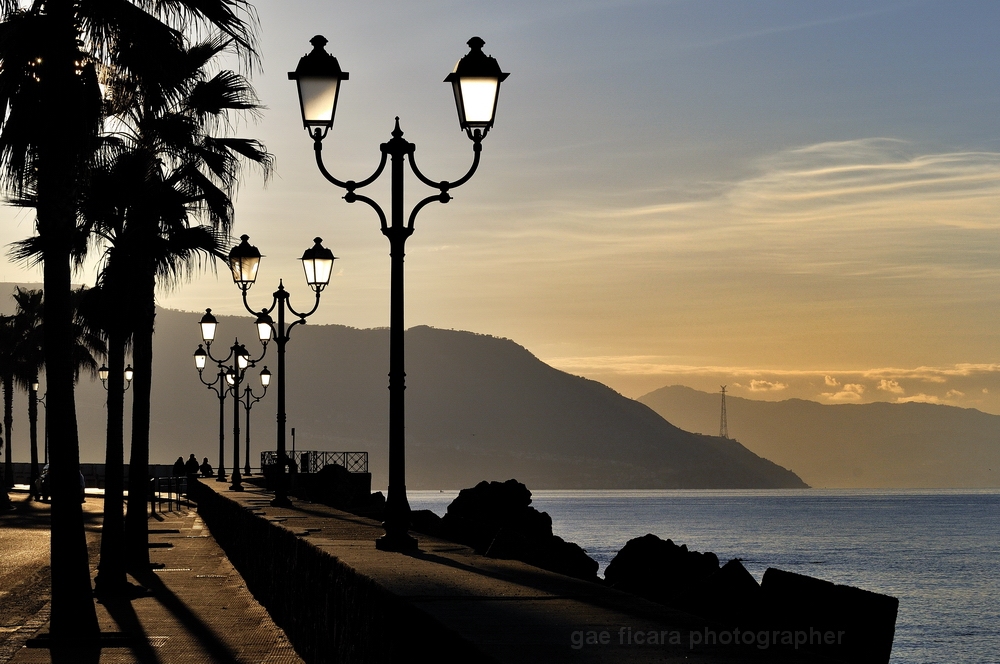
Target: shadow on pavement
[(121, 611), (215, 647)]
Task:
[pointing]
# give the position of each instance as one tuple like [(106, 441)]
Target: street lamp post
[(233, 376), (221, 388), (476, 85), (317, 262), (33, 401), (248, 400)]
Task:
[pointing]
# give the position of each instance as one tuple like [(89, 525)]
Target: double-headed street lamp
[(317, 263), (476, 84), (128, 374), (229, 379), (248, 400)]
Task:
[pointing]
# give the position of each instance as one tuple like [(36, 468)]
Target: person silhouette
[(192, 466), (179, 467)]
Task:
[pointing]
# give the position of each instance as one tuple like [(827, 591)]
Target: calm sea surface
[(937, 551)]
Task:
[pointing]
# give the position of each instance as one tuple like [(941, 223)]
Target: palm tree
[(51, 55), (21, 358), (28, 323), (8, 367)]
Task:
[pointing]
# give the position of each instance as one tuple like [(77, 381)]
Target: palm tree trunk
[(8, 423), (111, 576), (136, 530), (74, 619), (73, 625)]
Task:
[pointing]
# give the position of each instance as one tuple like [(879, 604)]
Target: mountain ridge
[(872, 445)]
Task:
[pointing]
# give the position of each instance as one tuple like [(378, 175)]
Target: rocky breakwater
[(786, 611)]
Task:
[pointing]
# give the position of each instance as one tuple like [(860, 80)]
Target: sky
[(793, 199)]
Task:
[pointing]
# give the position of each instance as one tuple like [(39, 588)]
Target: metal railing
[(312, 461), (168, 492)]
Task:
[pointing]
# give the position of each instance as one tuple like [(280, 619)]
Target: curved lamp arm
[(444, 185), (211, 386), (351, 197), (220, 362), (443, 197), (288, 303), (246, 305), (349, 185), (250, 398)]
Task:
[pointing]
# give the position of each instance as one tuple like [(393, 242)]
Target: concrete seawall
[(339, 599)]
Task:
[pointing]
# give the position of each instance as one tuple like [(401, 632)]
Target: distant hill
[(477, 407), (851, 445)]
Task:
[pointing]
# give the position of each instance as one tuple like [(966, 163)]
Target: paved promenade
[(201, 612)]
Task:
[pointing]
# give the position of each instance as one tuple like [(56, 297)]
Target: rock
[(730, 596), (497, 520), (660, 570), (861, 624), (332, 486), (426, 522)]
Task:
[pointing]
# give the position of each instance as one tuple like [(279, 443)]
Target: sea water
[(938, 552)]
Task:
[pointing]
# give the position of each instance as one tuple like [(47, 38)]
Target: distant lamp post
[(248, 400), (33, 401), (227, 380), (317, 263), (475, 83)]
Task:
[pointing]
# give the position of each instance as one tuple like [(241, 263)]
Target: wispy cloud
[(766, 386), (849, 181), (920, 398), (875, 207), (889, 385)]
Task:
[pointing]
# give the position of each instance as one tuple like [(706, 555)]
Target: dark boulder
[(730, 596), (848, 623), (497, 519), (426, 522), (332, 486), (660, 570)]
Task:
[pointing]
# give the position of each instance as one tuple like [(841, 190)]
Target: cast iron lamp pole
[(41, 400), (317, 262), (476, 84), (200, 359), (235, 378), (248, 400), (33, 401)]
